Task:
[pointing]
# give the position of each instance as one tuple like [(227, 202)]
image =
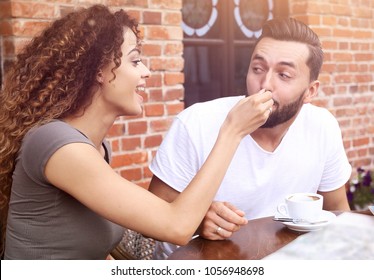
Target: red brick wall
[(345, 28)]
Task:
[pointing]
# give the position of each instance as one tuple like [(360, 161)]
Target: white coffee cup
[(306, 206)]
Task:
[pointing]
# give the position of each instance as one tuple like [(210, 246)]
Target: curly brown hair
[(55, 77)]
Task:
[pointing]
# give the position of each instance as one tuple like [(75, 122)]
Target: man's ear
[(312, 91)]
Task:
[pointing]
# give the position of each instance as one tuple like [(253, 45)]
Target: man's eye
[(284, 76), (257, 70)]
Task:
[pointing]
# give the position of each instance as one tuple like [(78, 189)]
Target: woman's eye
[(137, 61)]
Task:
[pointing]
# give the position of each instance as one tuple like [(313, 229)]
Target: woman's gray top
[(43, 221)]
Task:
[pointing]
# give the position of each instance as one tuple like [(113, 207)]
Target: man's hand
[(221, 221)]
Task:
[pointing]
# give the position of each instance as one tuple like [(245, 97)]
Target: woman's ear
[(312, 91), (100, 77)]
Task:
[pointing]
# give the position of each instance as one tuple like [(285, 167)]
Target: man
[(298, 149)]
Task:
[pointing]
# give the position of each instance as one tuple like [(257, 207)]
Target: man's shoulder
[(316, 112), (317, 117)]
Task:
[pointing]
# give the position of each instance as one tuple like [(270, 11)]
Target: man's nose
[(268, 80)]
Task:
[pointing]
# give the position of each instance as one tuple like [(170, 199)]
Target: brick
[(329, 45), (28, 27), (116, 130), (343, 78), (362, 34), (172, 49), (6, 28), (174, 78), (157, 32), (345, 22), (345, 112), (33, 10), (152, 17), (136, 15), (139, 127), (361, 142), (319, 8), (130, 143), (299, 7), (325, 79), (174, 94), (164, 32), (155, 95), (155, 80), (170, 64), (166, 4), (5, 10), (328, 90), (114, 144), (152, 141), (128, 3), (339, 32), (342, 68), (323, 31), (364, 78), (320, 102), (330, 20), (152, 110), (120, 160), (342, 10), (175, 108), (363, 57), (344, 46), (342, 101), (329, 67), (8, 48), (128, 159), (151, 50), (362, 12), (172, 18), (160, 125)]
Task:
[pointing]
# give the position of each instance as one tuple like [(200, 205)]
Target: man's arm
[(162, 190), (220, 214), (335, 200)]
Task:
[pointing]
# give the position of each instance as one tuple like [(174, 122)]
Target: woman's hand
[(249, 113)]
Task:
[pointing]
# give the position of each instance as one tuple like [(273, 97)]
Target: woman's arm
[(80, 170)]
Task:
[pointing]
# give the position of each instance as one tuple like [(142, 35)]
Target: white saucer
[(325, 215), (371, 208)]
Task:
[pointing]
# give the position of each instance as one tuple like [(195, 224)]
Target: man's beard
[(283, 114)]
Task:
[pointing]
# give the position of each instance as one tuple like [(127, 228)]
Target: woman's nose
[(145, 72)]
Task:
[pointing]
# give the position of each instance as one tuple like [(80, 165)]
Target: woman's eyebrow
[(134, 50)]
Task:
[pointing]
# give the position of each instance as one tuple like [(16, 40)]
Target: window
[(218, 37)]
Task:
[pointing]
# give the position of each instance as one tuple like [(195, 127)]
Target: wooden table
[(254, 241)]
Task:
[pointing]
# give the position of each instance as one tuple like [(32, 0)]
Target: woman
[(64, 93)]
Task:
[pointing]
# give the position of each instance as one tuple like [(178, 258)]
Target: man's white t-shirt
[(310, 158)]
